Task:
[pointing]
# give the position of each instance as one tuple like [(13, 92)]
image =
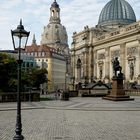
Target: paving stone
[(77, 119)]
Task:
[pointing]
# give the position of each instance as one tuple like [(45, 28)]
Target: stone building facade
[(53, 52), (54, 62), (55, 35), (117, 34)]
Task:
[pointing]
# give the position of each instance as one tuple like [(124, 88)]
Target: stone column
[(73, 64), (90, 74), (95, 63), (122, 57), (107, 65), (86, 61), (84, 64), (139, 61), (139, 54), (92, 63)]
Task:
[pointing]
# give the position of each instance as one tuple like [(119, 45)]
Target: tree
[(38, 76), (30, 77), (8, 72)]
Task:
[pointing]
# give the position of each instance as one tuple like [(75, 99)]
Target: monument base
[(118, 98), (118, 93)]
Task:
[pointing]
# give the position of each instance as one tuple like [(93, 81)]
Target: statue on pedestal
[(117, 93), (116, 67)]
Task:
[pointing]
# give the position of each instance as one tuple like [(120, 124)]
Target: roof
[(55, 4), (37, 48), (42, 48), (116, 12)]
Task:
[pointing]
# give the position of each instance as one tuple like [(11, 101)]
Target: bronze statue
[(101, 73), (131, 70), (116, 66)]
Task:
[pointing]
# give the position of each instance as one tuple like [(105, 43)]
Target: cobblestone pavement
[(77, 119)]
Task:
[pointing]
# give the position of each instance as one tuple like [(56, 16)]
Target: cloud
[(75, 14), (9, 4)]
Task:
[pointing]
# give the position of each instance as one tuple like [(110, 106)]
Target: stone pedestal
[(118, 93)]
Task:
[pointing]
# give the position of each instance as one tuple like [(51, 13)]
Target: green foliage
[(38, 76), (31, 77), (8, 72)]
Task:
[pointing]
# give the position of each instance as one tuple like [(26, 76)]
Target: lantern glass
[(15, 40), (24, 42), (19, 37)]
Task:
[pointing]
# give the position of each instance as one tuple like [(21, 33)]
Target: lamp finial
[(20, 21)]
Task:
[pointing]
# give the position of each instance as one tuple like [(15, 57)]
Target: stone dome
[(54, 33), (55, 4), (116, 13)]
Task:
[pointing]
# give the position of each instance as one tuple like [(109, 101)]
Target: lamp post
[(19, 38)]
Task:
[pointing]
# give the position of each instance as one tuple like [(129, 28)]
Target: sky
[(35, 14)]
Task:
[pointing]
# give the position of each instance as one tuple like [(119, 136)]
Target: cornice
[(115, 38)]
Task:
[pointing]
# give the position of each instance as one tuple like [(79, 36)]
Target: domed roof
[(55, 4), (54, 33), (116, 12)]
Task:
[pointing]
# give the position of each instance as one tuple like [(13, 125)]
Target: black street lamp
[(19, 38)]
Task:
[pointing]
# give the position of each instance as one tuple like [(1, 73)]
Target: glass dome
[(116, 13)]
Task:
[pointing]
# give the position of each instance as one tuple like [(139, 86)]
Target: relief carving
[(100, 72), (131, 63), (131, 70), (115, 53), (100, 64), (101, 56), (132, 51)]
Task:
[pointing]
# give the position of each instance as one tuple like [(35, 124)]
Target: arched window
[(79, 69), (78, 63), (57, 13), (52, 13)]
